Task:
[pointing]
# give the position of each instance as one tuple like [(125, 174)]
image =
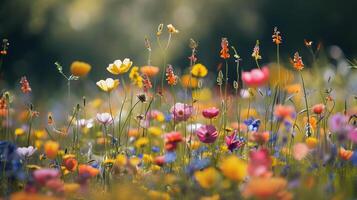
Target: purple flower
[(25, 152), (181, 112), (233, 142), (210, 113), (338, 122), (207, 134), (339, 125)]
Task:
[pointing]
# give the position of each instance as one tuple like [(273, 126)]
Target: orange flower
[(345, 154), (170, 76), (225, 50), (3, 106), (284, 112), (311, 142), (318, 108), (25, 85), (149, 70), (51, 149), (87, 170), (312, 121), (70, 162), (133, 132), (276, 36), (267, 188), (188, 81), (79, 68), (297, 62)]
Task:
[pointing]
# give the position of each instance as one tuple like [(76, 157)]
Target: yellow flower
[(207, 178), (172, 29), (194, 144), (135, 77), (155, 131), (214, 197), (134, 161), (19, 131), (311, 142), (141, 142), (147, 158), (155, 168), (38, 143), (51, 149), (188, 81), (40, 134), (204, 94), (121, 160), (71, 187), (156, 195), (199, 70), (119, 67), (234, 168), (160, 117), (79, 68), (108, 85)]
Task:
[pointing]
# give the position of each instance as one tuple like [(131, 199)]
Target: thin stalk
[(306, 105)]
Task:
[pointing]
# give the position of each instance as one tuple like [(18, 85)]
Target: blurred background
[(99, 31)]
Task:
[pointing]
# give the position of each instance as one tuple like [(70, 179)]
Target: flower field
[(283, 130)]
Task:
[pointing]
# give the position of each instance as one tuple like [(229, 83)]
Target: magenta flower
[(233, 142), (181, 112), (210, 113), (42, 176), (256, 77), (352, 135), (207, 134), (259, 162)]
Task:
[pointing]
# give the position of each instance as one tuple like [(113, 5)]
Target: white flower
[(85, 123), (193, 127), (25, 152), (104, 118)]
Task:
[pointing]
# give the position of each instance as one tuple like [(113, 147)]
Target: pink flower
[(181, 112), (207, 134), (171, 140), (42, 176), (352, 135), (300, 150), (104, 118), (210, 113), (256, 77), (259, 163), (233, 142)]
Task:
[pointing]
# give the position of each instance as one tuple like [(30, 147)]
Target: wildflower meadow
[(283, 129)]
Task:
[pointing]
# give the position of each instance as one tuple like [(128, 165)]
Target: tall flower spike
[(225, 50), (276, 36), (256, 51), (297, 62), (146, 83), (25, 85), (170, 76)]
